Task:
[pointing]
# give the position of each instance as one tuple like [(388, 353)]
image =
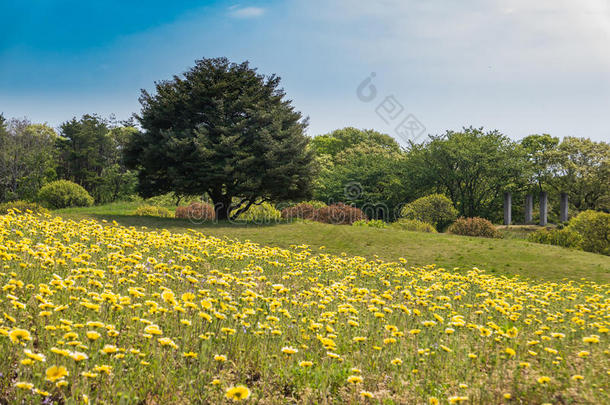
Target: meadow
[(509, 256), (103, 313)]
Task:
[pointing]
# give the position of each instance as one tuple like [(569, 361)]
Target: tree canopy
[(27, 158), (340, 140), (472, 167), (222, 129)]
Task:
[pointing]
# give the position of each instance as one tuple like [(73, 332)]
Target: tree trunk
[(222, 206)]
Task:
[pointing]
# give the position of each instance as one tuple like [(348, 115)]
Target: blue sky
[(518, 66)]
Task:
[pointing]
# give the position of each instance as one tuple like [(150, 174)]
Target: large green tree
[(222, 129), (339, 140), (540, 151), (362, 167), (472, 167), (581, 168)]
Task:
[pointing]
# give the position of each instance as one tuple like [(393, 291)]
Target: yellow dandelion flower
[(238, 393), (354, 379), (289, 350), (92, 335), (109, 349), (54, 373), (19, 336), (24, 385), (366, 394)]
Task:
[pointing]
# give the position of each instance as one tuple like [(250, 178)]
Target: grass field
[(510, 256), (116, 315)]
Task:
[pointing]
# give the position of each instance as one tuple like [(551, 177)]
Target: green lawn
[(509, 256)]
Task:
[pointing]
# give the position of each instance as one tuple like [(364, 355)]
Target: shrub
[(153, 211), (64, 194), (435, 209), (316, 204), (261, 214), (340, 214), (196, 211), (474, 227), (594, 227), (300, 211), (22, 206), (413, 225), (373, 223), (565, 237)]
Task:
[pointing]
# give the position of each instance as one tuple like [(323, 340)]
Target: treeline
[(472, 167), (87, 151), (364, 168)]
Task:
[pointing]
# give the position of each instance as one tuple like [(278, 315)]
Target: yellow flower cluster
[(112, 314)]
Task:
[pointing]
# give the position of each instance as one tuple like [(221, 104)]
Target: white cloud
[(246, 12)]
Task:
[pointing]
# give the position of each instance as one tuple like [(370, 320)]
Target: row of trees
[(226, 131), (88, 151), (472, 167)]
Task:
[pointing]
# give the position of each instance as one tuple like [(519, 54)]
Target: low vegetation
[(479, 227), (589, 231), (413, 225), (64, 194), (434, 209), (153, 211), (208, 319), (511, 255)]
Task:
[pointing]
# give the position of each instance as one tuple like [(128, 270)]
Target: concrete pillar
[(508, 201), (543, 209), (563, 208), (529, 208)]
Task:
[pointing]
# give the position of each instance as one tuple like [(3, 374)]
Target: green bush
[(261, 214), (474, 227), (594, 227), (64, 194), (153, 211), (435, 209), (413, 225), (316, 204), (373, 223), (22, 206), (565, 237)]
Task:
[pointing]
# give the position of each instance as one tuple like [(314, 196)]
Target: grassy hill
[(509, 256)]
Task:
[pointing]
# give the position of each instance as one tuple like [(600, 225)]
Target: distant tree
[(472, 167), (340, 140), (91, 153), (27, 158), (540, 150), (366, 175), (85, 150), (581, 168), (225, 130)]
